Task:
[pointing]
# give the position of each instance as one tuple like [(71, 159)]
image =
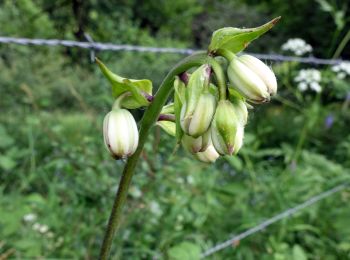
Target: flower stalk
[(148, 120)]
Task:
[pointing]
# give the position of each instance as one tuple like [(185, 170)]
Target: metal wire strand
[(124, 47), (287, 213)]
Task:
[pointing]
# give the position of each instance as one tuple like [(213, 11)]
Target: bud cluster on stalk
[(210, 107), (210, 124)]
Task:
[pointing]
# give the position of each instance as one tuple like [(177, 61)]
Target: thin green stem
[(226, 54), (220, 77), (148, 120), (341, 46), (118, 101)]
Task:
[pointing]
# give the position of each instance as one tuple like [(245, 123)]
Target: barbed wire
[(99, 46), (287, 213)]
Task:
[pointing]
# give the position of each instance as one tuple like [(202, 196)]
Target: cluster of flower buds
[(211, 124), (209, 113)]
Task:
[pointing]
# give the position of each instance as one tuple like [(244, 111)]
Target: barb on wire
[(287, 213), (124, 47), (92, 49)]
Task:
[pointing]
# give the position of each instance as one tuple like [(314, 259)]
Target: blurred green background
[(57, 181)]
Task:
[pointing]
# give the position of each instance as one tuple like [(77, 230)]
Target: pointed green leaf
[(121, 85), (235, 39)]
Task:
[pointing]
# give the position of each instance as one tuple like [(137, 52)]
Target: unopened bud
[(252, 78), (120, 133), (195, 145), (239, 138), (209, 155), (262, 70), (198, 121), (224, 128), (241, 110)]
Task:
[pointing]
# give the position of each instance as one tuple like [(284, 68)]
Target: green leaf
[(168, 126), (7, 163), (299, 253), (184, 251), (5, 139), (236, 39), (120, 85)]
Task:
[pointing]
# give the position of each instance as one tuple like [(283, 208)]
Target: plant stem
[(341, 46), (149, 118), (226, 54), (118, 101)]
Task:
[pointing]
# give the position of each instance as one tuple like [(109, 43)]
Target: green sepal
[(168, 126), (195, 87), (168, 109), (121, 85), (179, 99), (213, 90), (236, 39), (234, 94)]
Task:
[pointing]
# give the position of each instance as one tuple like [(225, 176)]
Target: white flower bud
[(120, 133), (241, 110), (239, 138), (262, 70), (195, 145), (209, 155), (252, 78)]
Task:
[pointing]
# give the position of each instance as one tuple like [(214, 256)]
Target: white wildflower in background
[(155, 208), (36, 226), (179, 180), (41, 228), (190, 179), (31, 217), (135, 192), (50, 234), (298, 46), (309, 78), (342, 70)]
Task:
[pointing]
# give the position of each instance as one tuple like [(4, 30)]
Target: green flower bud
[(120, 133), (195, 145), (252, 78), (224, 128), (198, 122), (208, 156)]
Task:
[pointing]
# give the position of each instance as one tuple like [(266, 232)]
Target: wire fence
[(99, 46), (287, 213)]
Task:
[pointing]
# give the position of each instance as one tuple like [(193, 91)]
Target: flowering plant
[(208, 112)]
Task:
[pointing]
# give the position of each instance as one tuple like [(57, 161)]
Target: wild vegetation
[(57, 181)]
